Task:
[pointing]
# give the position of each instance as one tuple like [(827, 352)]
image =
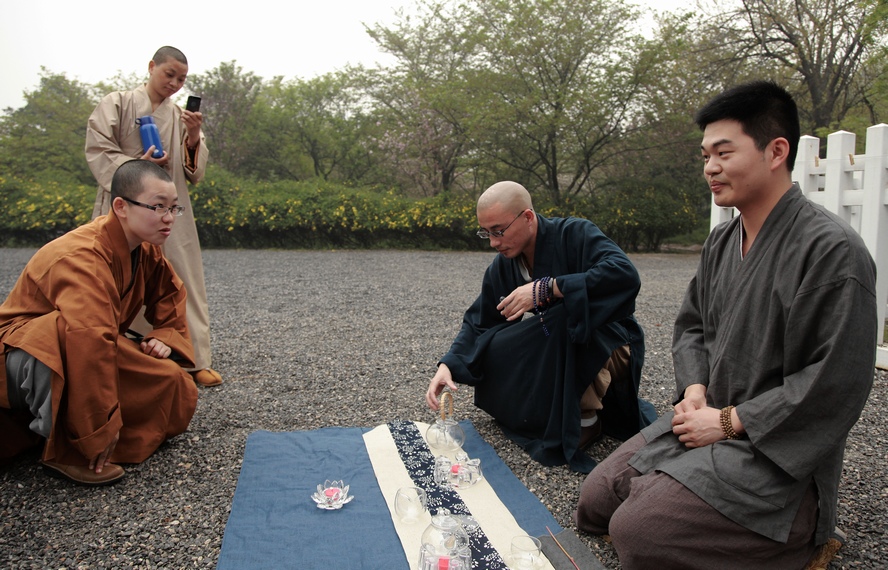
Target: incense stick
[(562, 548)]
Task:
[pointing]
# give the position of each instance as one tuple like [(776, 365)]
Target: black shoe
[(590, 435)]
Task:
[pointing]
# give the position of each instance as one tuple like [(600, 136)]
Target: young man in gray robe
[(774, 353)]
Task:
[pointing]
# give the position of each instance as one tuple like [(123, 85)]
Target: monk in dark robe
[(774, 351), (558, 379), (69, 376)]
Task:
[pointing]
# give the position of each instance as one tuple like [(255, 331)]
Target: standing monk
[(67, 372), (556, 380), (112, 138), (774, 353)]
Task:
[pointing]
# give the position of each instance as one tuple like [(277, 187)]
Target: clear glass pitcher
[(445, 434), (445, 544)]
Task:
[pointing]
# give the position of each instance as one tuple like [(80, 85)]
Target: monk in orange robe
[(68, 372)]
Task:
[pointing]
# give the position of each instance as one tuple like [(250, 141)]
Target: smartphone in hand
[(193, 104)]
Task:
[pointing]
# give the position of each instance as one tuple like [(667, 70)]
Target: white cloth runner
[(481, 499)]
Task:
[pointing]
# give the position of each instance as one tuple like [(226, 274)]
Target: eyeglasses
[(487, 234), (159, 210)]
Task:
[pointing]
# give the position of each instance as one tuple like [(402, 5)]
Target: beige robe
[(70, 309), (112, 138)]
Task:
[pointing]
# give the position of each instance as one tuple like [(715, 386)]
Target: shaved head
[(168, 52), (127, 181), (510, 195)]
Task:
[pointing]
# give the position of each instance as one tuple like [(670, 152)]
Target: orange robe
[(70, 309)]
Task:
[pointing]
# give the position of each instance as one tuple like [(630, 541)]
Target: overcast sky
[(92, 41)]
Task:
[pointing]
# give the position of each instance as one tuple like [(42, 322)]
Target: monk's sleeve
[(165, 307), (690, 358), (829, 359), (480, 322), (194, 159), (83, 290), (103, 152), (602, 285)]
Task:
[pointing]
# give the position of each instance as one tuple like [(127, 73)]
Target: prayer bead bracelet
[(542, 293), (727, 427)]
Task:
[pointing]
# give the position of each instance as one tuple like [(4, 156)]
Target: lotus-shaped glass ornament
[(332, 495), (446, 434)]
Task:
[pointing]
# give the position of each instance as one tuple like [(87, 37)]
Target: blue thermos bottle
[(150, 135)]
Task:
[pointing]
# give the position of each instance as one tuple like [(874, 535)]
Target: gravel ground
[(292, 327)]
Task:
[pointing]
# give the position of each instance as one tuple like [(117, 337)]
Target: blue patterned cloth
[(274, 524), (420, 464)]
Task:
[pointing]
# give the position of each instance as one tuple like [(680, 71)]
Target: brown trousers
[(656, 522)]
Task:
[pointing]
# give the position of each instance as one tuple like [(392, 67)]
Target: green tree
[(875, 103), (537, 90), (873, 107), (417, 145), (303, 129), (121, 82), (640, 213), (558, 89), (423, 102), (322, 117), (663, 150), (228, 96), (271, 153), (46, 136), (822, 46)]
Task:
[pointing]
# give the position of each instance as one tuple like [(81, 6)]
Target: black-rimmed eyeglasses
[(159, 210), (487, 234)]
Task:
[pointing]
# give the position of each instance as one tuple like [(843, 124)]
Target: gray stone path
[(307, 339)]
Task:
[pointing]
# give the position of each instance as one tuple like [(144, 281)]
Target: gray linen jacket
[(787, 335)]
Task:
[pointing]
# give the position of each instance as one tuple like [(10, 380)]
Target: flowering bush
[(237, 212), (37, 211), (234, 212)]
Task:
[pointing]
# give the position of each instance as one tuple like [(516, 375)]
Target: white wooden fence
[(853, 186)]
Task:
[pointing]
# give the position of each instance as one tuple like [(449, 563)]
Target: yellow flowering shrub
[(318, 214), (37, 211), (243, 213)]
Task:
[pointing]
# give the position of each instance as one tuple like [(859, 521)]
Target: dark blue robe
[(532, 383)]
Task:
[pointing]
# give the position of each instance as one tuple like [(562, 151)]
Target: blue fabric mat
[(274, 523)]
